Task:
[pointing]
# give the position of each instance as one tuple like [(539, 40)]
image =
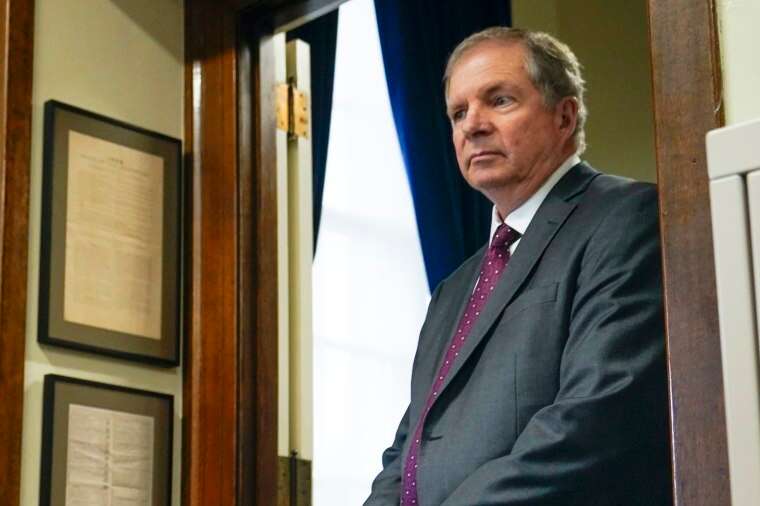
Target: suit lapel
[(445, 324), (549, 218)]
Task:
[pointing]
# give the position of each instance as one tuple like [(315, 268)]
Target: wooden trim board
[(16, 52)]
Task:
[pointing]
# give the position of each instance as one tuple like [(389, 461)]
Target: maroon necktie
[(494, 262)]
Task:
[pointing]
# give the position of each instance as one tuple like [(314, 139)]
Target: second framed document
[(105, 445), (110, 256)]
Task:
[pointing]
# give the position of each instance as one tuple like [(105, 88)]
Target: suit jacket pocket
[(533, 295)]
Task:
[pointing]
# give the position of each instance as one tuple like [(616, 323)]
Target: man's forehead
[(487, 53), (491, 48)]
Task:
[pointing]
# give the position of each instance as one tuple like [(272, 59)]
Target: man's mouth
[(484, 155)]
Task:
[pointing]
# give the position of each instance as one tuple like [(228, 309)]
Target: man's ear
[(567, 115)]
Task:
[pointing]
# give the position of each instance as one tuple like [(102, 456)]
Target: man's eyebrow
[(453, 106), (484, 92), (498, 86)]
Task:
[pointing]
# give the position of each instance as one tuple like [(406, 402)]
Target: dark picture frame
[(63, 394), (112, 142)]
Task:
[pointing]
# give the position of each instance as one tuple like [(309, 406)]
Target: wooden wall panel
[(687, 89), (16, 52)]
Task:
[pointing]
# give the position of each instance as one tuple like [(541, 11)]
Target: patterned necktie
[(494, 262)]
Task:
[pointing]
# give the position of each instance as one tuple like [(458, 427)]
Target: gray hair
[(551, 65)]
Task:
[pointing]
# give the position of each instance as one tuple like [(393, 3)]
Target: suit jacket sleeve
[(610, 409), (386, 487)]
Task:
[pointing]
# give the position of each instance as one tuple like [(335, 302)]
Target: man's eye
[(457, 115), (502, 100)]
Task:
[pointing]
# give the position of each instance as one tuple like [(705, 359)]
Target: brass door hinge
[(293, 481), (292, 111)]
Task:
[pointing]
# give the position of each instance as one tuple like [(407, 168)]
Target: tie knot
[(504, 237)]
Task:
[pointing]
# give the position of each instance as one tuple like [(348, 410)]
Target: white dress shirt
[(520, 218)]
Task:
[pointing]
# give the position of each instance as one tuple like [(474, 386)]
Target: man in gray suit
[(539, 377)]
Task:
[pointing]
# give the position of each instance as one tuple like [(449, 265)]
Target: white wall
[(124, 59), (738, 22), (610, 38)]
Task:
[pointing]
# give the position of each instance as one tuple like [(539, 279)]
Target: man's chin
[(490, 183)]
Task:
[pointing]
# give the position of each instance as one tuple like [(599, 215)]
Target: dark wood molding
[(210, 393), (258, 251), (230, 391), (16, 52), (686, 80), (266, 285), (246, 491)]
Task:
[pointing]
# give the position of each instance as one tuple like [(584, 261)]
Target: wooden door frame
[(230, 390), (687, 91)]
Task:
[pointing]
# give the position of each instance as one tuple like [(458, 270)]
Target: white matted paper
[(114, 231), (109, 458)]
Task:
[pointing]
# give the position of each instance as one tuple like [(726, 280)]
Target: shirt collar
[(520, 218)]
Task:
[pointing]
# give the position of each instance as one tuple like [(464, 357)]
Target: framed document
[(110, 255), (103, 444)]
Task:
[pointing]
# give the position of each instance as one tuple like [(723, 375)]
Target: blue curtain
[(321, 34), (417, 37)]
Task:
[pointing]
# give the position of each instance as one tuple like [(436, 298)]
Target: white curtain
[(370, 290)]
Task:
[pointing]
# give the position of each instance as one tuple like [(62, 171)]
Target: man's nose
[(476, 122)]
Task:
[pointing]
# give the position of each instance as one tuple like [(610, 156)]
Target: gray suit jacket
[(559, 395)]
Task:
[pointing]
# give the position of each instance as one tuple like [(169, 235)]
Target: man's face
[(504, 135)]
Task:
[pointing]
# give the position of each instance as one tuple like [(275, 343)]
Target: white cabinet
[(733, 157)]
